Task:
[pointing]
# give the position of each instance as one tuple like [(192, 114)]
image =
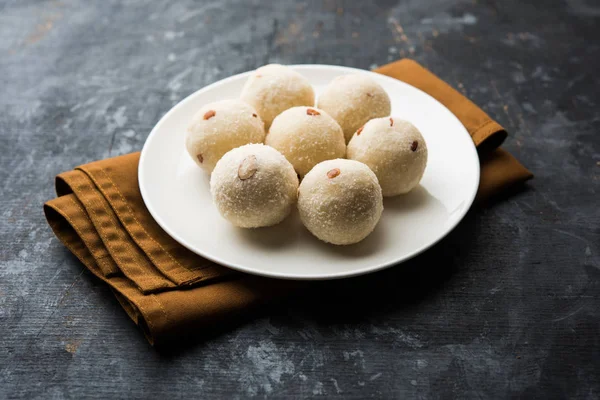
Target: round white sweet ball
[(254, 186), (340, 201), (306, 136), (219, 127), (394, 149), (354, 99), (274, 88)]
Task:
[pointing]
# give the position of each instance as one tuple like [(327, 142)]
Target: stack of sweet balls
[(347, 152)]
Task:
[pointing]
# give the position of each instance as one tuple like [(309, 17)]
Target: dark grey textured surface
[(507, 306)]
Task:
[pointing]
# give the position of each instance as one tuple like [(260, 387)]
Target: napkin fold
[(170, 292)]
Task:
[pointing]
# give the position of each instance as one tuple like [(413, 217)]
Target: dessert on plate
[(254, 186), (348, 152), (340, 201), (219, 127), (306, 136), (274, 88), (394, 149), (354, 99)]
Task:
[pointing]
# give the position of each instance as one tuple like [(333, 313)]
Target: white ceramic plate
[(177, 195)]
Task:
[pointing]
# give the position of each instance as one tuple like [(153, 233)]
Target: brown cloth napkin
[(167, 290)]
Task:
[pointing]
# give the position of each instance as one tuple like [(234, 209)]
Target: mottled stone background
[(507, 306)]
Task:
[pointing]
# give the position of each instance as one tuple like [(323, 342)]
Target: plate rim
[(284, 276)]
